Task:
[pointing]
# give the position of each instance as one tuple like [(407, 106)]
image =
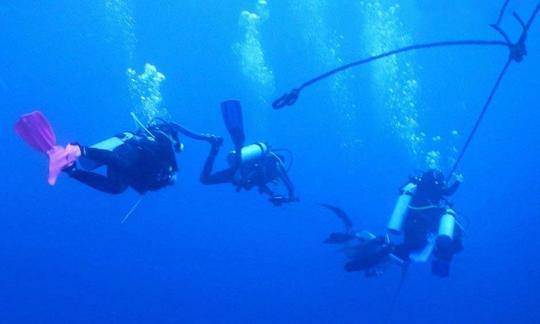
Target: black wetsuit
[(369, 254), (249, 175), (142, 162)]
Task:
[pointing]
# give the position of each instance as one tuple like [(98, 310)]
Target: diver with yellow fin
[(254, 165)]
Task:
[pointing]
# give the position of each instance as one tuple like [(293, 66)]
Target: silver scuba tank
[(447, 224), (248, 154), (109, 144), (395, 223)]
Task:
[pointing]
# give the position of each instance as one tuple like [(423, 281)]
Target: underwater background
[(200, 254)]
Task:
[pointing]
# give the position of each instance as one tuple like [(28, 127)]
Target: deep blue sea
[(207, 254)]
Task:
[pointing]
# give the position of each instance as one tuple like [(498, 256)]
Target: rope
[(397, 293), (533, 17), (501, 13), (290, 98), (518, 51), (480, 118)]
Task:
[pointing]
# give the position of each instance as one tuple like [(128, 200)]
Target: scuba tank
[(249, 153), (400, 210), (446, 244), (447, 224), (109, 144)]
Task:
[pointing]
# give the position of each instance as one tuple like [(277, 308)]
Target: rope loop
[(287, 99)]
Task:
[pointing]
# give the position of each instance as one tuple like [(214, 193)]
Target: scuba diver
[(144, 160), (254, 165), (425, 216), (367, 252)]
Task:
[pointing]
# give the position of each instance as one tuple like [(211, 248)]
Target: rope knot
[(287, 99), (518, 51)]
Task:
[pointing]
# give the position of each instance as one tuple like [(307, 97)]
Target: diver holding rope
[(428, 222), (425, 217), (423, 213)]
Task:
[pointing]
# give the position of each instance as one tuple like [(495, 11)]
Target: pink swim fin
[(36, 130), (59, 158)]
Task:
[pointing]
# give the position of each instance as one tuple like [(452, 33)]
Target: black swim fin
[(341, 215), (232, 116)]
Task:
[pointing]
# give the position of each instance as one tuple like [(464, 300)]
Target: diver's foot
[(69, 169), (81, 148)]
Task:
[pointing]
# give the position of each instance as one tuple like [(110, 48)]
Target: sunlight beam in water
[(250, 51), (395, 85), (318, 34), (394, 78), (146, 95), (3, 86), (122, 26)]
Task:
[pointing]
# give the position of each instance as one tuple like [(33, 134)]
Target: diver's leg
[(112, 185), (440, 267), (264, 189), (355, 265), (109, 158), (224, 176)]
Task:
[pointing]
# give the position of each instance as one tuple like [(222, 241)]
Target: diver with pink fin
[(35, 130), (144, 160)]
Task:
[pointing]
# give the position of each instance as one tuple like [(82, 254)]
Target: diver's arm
[(109, 184), (186, 132), (206, 173), (275, 199), (449, 191), (223, 176)]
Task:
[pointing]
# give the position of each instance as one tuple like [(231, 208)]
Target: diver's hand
[(280, 200), (214, 140), (459, 177), (277, 200)]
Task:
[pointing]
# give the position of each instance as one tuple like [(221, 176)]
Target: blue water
[(194, 254)]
